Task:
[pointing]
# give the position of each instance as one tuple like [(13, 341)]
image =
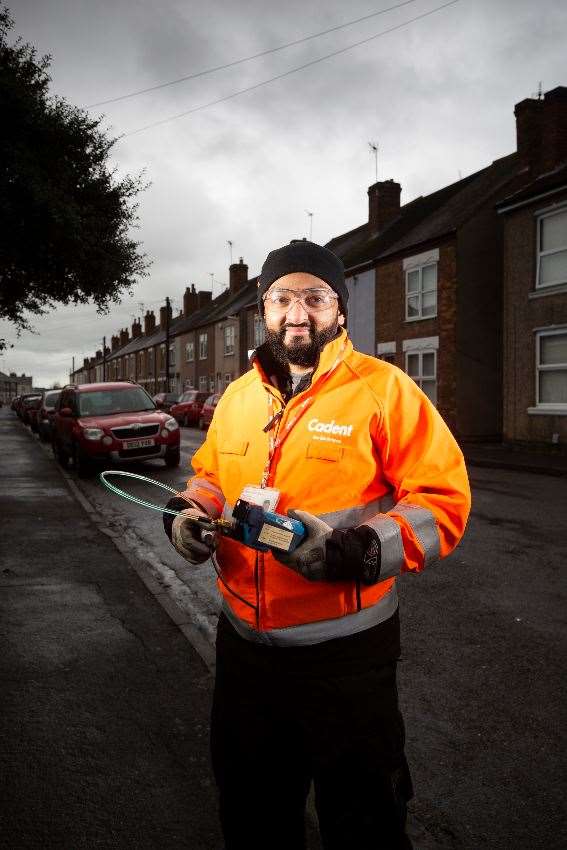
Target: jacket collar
[(275, 375)]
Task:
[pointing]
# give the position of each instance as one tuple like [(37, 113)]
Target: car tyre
[(61, 455), (84, 466), (173, 458)]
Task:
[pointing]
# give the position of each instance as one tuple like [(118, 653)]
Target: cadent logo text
[(329, 427)]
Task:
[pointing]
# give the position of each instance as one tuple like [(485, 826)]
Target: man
[(308, 641)]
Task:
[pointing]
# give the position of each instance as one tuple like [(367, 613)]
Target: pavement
[(105, 703), (552, 461)]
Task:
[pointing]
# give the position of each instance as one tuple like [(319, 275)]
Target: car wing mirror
[(65, 411)]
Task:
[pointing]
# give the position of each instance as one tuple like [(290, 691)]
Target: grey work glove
[(309, 558), (186, 537)]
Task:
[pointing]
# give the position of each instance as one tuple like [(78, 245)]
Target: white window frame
[(203, 383), (172, 355), (203, 346), (189, 351), (259, 330), (227, 379), (212, 387), (420, 317), (540, 217), (421, 346), (229, 337), (547, 407)]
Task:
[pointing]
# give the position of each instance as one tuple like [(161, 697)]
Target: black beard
[(300, 352)]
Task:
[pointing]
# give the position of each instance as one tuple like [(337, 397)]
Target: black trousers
[(328, 713)]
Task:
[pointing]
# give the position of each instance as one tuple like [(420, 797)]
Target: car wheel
[(60, 454), (84, 466), (173, 458)]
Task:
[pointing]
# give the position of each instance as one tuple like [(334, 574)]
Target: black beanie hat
[(303, 256)]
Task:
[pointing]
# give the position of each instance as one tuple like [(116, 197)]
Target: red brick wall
[(391, 323)]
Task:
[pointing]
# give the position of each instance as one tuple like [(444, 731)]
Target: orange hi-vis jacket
[(363, 444)]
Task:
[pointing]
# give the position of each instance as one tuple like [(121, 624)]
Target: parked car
[(28, 407), (207, 410), (14, 404), (111, 422), (46, 414), (187, 410), (164, 401)]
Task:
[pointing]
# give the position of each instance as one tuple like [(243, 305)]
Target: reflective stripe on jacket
[(362, 444)]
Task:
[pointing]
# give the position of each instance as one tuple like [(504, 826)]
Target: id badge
[(266, 497)]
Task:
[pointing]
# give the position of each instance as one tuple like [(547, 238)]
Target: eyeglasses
[(312, 300)]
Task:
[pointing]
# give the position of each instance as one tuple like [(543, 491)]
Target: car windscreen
[(50, 399), (188, 397), (106, 402)]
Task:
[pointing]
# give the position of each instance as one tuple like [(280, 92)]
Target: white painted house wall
[(361, 311)]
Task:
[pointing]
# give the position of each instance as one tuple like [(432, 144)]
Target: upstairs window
[(552, 249), (421, 292), (202, 346), (229, 340), (189, 352), (172, 355), (259, 331), (203, 383)]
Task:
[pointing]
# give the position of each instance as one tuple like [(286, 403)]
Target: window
[(227, 379), (188, 384), (141, 362), (132, 367), (203, 383), (259, 331), (421, 292), (211, 384), (552, 249), (551, 369), (422, 367), (162, 357), (172, 355), (189, 352), (202, 346), (229, 340)]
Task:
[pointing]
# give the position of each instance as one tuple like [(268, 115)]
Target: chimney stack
[(124, 337), (190, 300), (149, 322), (541, 131), (238, 275), (163, 314), (383, 204), (203, 297), (136, 329), (98, 355), (85, 363), (115, 342)]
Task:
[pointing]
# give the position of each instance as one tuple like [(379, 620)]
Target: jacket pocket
[(324, 451), (234, 447)]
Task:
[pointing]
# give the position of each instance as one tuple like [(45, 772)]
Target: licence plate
[(137, 444)]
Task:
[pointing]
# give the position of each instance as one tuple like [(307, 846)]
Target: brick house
[(534, 220), (425, 281)]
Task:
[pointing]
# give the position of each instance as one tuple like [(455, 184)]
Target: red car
[(28, 410), (111, 422), (46, 414), (187, 411), (207, 410), (163, 401)]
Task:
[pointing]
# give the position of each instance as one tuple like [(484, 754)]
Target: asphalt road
[(481, 672)]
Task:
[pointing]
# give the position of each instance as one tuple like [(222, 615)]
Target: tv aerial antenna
[(373, 146), (310, 217)]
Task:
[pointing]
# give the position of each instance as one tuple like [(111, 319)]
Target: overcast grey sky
[(437, 95)]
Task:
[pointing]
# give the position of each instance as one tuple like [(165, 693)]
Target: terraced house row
[(465, 289)]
